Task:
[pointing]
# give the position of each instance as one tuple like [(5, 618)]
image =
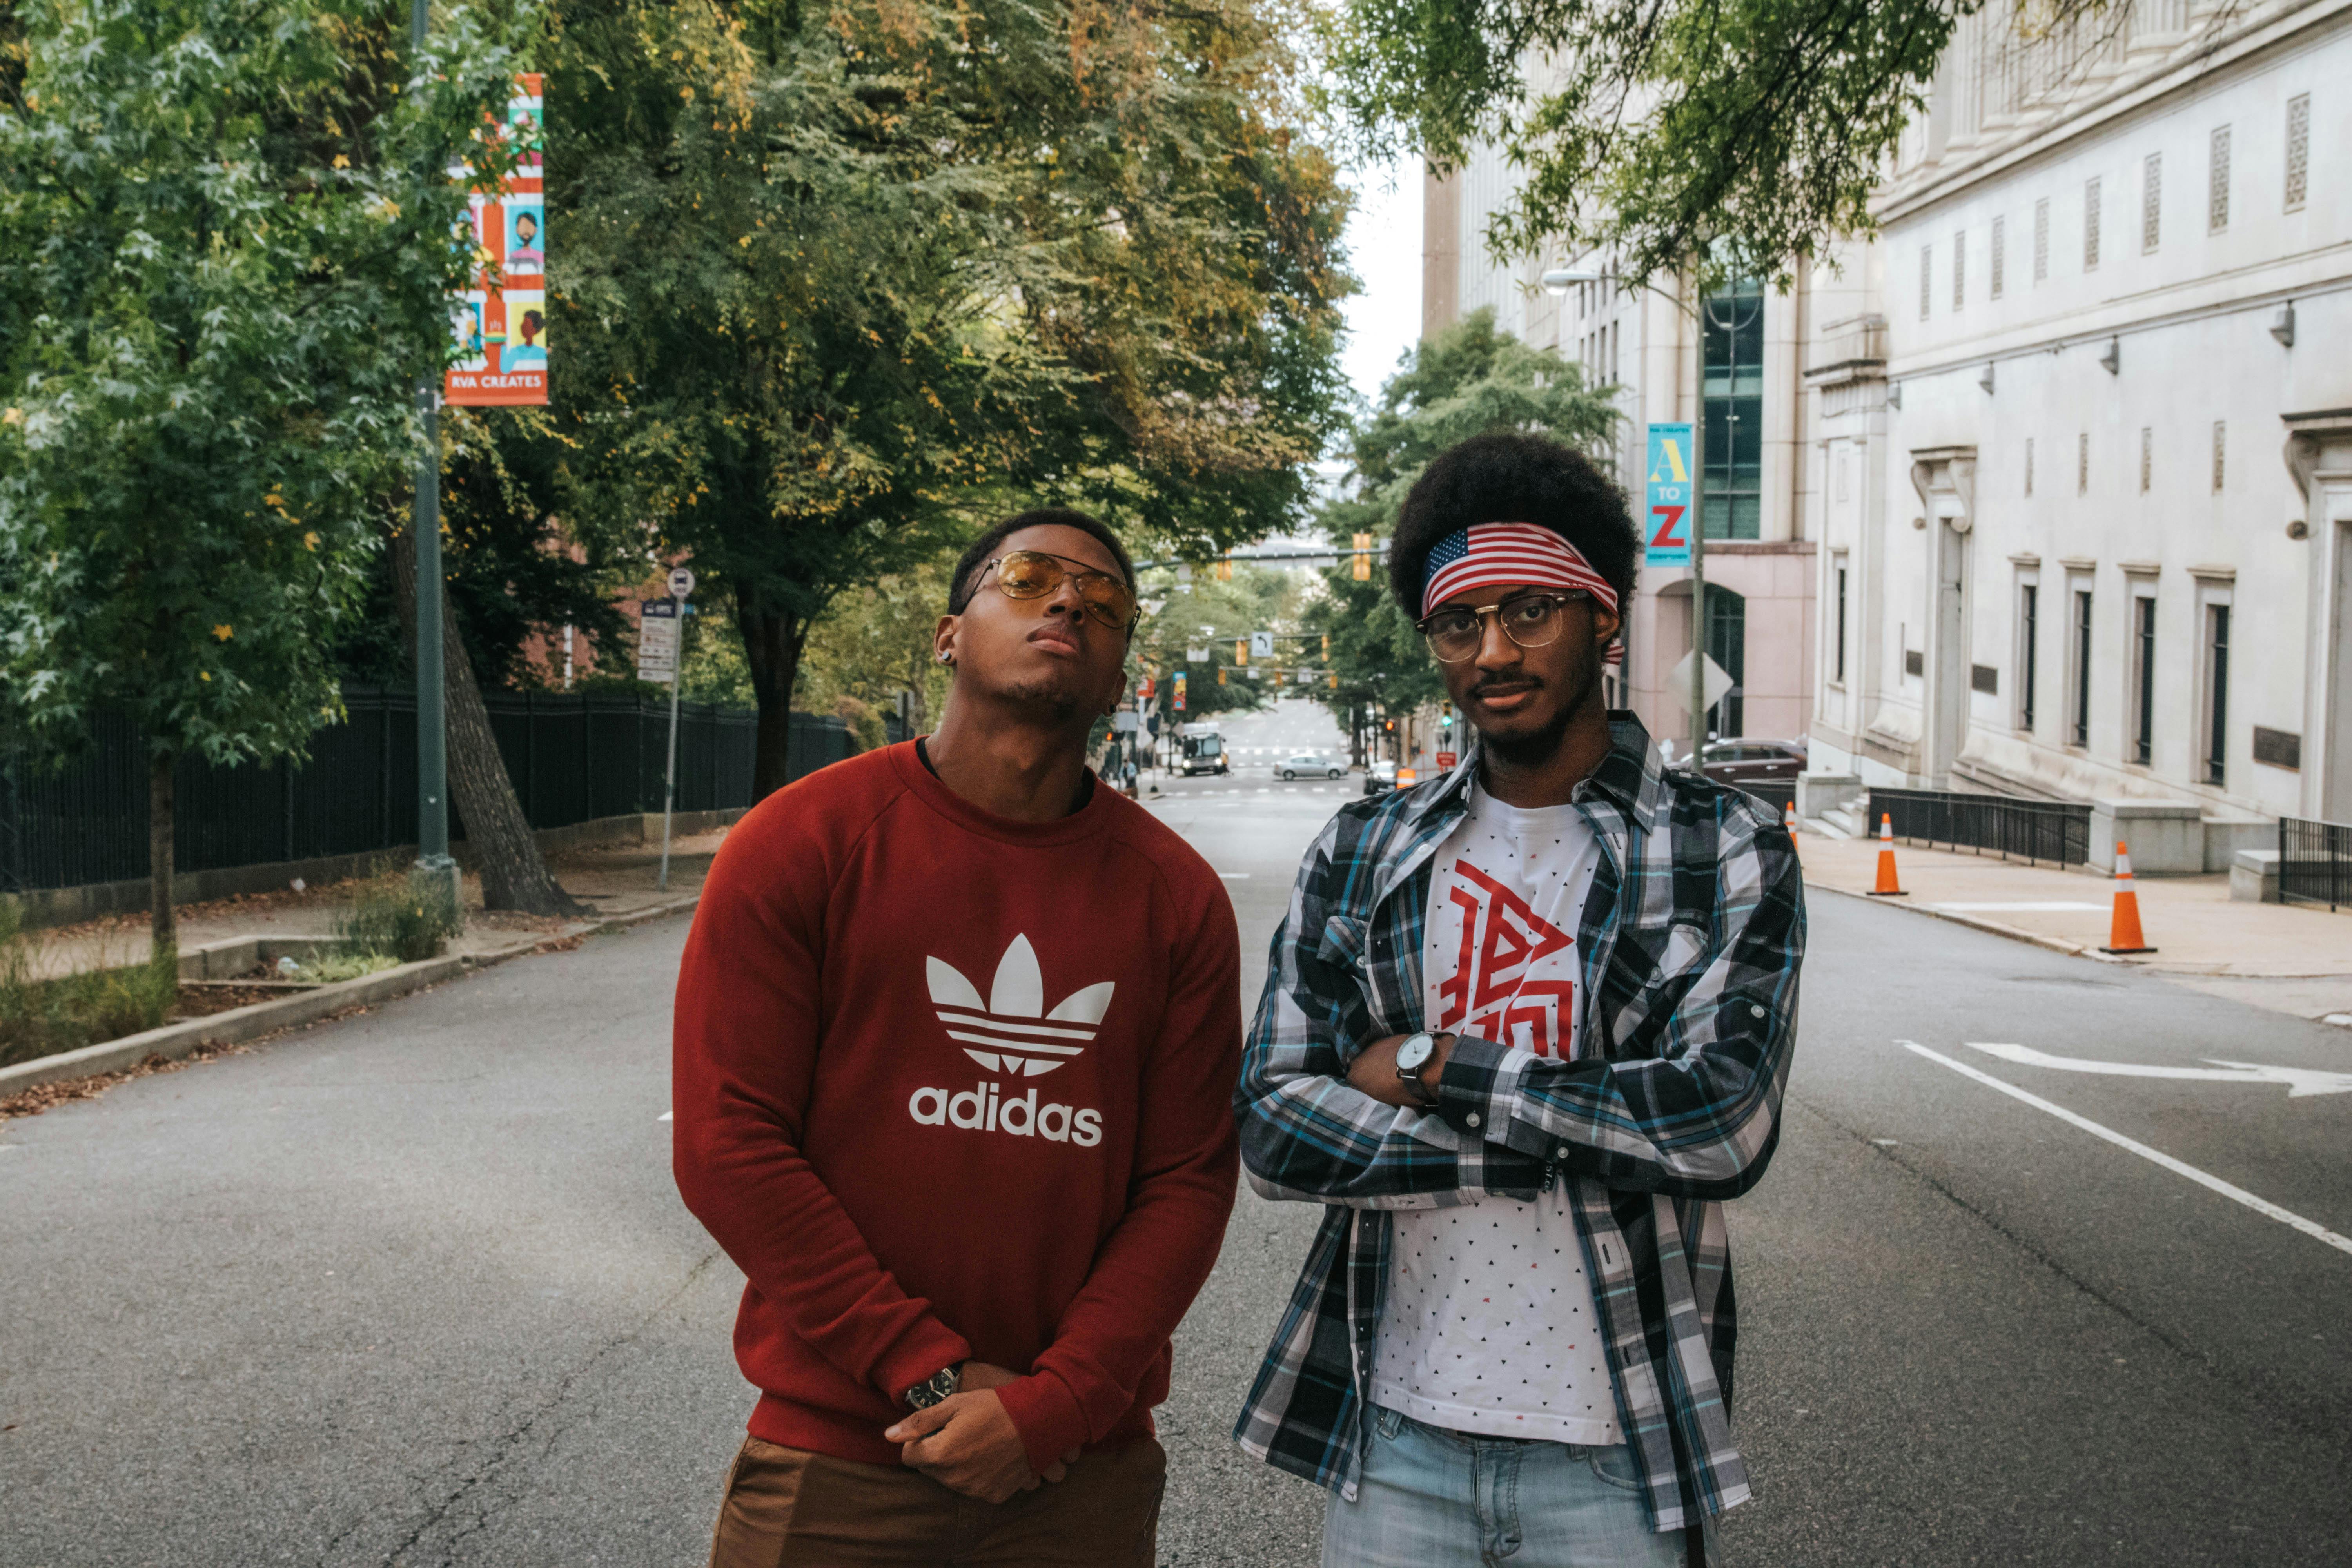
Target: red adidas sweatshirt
[(948, 1086)]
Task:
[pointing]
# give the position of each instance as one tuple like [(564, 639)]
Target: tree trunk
[(497, 836), (163, 919), (772, 640)]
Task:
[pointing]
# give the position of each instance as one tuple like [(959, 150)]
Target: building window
[(1735, 413), (1838, 661), (2042, 239), (2298, 150), (2082, 464), (2029, 645), (2217, 692), (2029, 465), (2151, 201), (1727, 643), (2143, 677), (2091, 225), (2147, 455), (2078, 716), (1997, 227), (1927, 279), (2221, 450), (1960, 269), (2217, 181)]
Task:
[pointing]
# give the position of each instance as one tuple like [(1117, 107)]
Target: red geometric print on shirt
[(1491, 993)]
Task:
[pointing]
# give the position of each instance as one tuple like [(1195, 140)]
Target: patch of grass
[(41, 1015), (401, 915), (327, 968)]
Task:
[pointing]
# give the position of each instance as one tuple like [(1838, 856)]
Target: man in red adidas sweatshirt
[(957, 1033)]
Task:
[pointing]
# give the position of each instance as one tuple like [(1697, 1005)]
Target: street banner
[(1668, 529), (500, 322), (1176, 694)]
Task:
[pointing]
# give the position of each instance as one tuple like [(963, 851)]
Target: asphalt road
[(413, 1288)]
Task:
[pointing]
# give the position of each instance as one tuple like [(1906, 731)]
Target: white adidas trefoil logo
[(1011, 1032)]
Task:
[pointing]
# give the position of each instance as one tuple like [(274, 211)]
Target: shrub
[(402, 915)]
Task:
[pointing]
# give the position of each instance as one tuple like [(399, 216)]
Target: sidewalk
[(614, 879), (2294, 959)]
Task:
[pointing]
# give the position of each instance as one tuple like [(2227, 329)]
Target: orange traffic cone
[(2123, 931), (1788, 821), (1888, 888)]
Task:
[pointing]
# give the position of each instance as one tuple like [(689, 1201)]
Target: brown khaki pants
[(787, 1508)]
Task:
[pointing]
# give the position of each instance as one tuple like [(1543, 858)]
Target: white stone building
[(2080, 456)]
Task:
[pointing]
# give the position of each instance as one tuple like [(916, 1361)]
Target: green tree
[(1466, 380), (1745, 131), (842, 283), (1211, 615), (225, 260)]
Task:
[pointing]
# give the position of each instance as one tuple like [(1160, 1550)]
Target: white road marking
[(1235, 876), (667, 1115), (2300, 1082), (2020, 907), (2178, 1167)]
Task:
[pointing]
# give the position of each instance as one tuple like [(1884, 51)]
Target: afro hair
[(1513, 477)]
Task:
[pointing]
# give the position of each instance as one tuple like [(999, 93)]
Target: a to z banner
[(501, 322), (1666, 526)]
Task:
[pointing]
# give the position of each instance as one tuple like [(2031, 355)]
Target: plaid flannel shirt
[(1690, 944)]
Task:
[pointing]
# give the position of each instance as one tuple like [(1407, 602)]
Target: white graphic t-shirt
[(1489, 1326)]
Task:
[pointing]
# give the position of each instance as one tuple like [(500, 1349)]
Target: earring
[(945, 659)]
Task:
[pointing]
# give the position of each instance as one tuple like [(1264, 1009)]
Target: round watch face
[(1414, 1052)]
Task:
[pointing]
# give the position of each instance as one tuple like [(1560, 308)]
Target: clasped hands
[(967, 1443)]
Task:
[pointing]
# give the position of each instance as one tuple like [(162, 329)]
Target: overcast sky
[(1384, 250)]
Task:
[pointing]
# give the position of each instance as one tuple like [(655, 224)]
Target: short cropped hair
[(977, 553), (1513, 477)]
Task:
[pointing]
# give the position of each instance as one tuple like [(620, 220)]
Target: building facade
[(2081, 438), (1758, 560)]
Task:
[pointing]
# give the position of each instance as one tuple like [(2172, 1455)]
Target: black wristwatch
[(1412, 1056), (936, 1387)]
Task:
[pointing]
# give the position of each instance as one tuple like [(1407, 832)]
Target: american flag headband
[(1507, 554)]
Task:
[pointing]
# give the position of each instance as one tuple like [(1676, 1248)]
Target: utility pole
[(1698, 526), (433, 859)]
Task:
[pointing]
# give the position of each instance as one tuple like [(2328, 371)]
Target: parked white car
[(1308, 764)]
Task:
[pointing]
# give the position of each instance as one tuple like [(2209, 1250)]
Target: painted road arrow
[(2300, 1082)]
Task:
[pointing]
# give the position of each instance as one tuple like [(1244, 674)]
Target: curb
[(1991, 928), (174, 1041)]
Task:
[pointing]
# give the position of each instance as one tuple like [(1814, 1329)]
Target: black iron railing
[(573, 757), (2057, 831), (2315, 862)]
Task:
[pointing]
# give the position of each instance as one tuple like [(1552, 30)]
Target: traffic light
[(1221, 675), (1390, 725), (1326, 648), (1241, 650), (1363, 563), (1446, 715), (1226, 569)]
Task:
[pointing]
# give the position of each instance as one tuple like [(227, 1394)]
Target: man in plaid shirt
[(1527, 1026)]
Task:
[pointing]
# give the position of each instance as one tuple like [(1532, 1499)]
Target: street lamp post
[(1557, 282), (433, 858)]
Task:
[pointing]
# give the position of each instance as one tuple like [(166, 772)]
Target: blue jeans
[(1434, 1498)]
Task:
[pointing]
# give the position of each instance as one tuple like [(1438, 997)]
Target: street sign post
[(1261, 645), (661, 629), (1668, 535)]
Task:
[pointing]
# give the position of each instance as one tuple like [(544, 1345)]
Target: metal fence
[(573, 757), (2315, 862), (2057, 831)]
